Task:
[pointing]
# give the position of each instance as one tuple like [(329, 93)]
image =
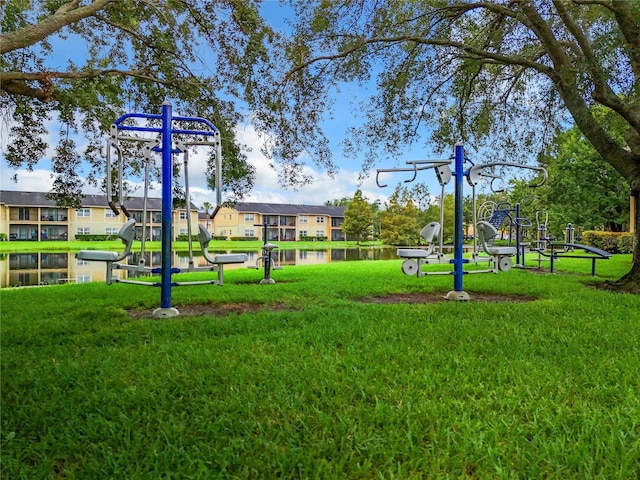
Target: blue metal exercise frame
[(166, 131)]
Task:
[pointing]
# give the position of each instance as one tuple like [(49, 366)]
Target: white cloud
[(39, 180), (323, 188)]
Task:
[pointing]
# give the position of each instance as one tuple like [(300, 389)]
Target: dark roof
[(288, 209), (39, 199)]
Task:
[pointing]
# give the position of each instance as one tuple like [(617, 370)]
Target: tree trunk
[(630, 283)]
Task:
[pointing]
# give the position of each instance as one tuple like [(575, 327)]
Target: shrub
[(612, 242), (310, 238), (94, 237), (625, 244), (183, 237), (244, 239)]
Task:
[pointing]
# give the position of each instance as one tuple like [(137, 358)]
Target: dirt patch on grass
[(441, 297), (213, 309), (224, 309)]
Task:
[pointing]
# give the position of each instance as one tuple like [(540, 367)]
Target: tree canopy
[(500, 76), (82, 64), (399, 221), (358, 218), (582, 189)]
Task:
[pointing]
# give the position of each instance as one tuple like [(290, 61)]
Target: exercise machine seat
[(127, 234), (430, 233), (486, 233), (205, 237)]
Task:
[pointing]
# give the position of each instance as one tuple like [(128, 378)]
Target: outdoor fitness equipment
[(127, 234), (497, 214), (417, 257), (474, 175), (501, 256), (268, 263), (548, 249), (164, 145), (560, 250)]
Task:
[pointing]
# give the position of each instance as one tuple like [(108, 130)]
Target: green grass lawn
[(313, 377)]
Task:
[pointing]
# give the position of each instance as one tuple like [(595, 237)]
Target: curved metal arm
[(417, 165), (493, 179), (415, 174), (475, 172), (426, 164), (522, 222), (390, 170)]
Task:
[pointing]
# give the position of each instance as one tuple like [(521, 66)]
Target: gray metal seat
[(486, 233), (127, 234), (416, 257), (430, 234), (501, 255), (205, 237)]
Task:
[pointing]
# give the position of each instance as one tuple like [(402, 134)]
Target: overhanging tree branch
[(15, 83), (566, 83), (463, 47), (66, 14)]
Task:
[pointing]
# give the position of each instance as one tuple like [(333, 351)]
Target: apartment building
[(284, 222), (30, 216)]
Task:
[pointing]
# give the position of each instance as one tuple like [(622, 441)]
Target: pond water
[(46, 268)]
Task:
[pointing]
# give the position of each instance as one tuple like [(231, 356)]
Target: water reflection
[(27, 269)]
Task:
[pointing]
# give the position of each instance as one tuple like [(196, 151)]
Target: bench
[(592, 253)]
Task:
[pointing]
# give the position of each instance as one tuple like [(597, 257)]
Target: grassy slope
[(318, 384)]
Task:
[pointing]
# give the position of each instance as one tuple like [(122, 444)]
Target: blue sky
[(266, 188)]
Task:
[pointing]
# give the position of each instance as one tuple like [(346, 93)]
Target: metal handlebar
[(476, 172), (416, 166), (386, 170)]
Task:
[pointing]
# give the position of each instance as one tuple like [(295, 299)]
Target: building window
[(249, 233), (303, 219), (319, 233), (303, 233), (184, 231), (319, 219), (23, 214), (108, 213), (183, 215), (84, 231), (112, 231), (249, 217), (83, 212)]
